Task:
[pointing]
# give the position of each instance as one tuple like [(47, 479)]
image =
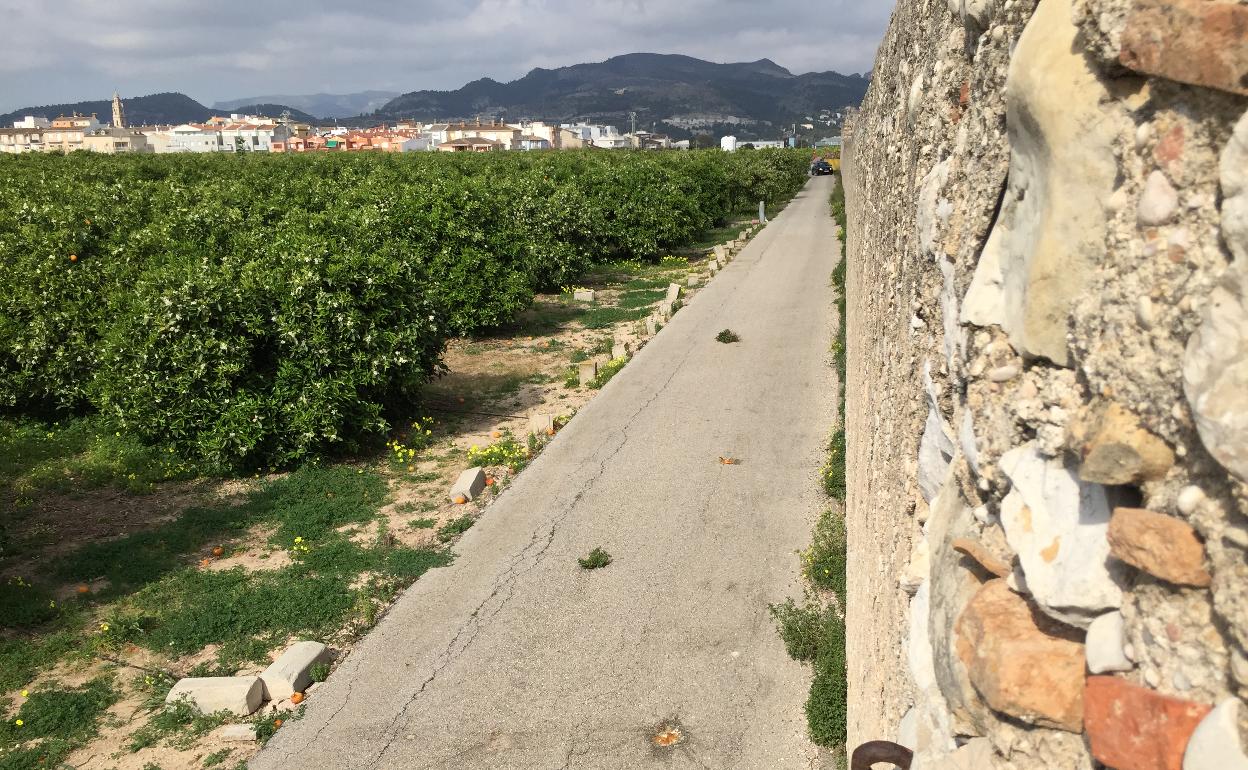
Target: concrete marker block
[(673, 293), (584, 295), (541, 424), (292, 672), (240, 695), (620, 350), (235, 733), (693, 281), (588, 370), (469, 484), (652, 326)]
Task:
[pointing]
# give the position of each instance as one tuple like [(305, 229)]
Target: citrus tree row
[(258, 310)]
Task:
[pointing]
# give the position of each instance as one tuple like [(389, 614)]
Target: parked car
[(820, 168)]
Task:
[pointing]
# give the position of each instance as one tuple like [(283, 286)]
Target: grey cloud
[(83, 49)]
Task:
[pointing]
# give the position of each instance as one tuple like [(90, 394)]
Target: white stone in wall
[(908, 729), (1105, 644), (966, 437), (918, 568), (919, 651), (927, 217), (978, 11), (1234, 169), (1215, 371), (1058, 525), (936, 447), (984, 303), (955, 338), (1158, 201), (916, 98), (1050, 233), (1216, 745)]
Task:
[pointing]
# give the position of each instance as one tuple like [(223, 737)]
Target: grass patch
[(727, 336), (824, 562), (422, 523), (310, 503), (22, 657), (833, 472), (605, 317), (644, 298), (52, 722), (178, 724), (165, 603), (596, 559), (448, 531), (23, 605), (81, 453), (217, 757)]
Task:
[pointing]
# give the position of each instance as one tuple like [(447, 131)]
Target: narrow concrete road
[(515, 657)]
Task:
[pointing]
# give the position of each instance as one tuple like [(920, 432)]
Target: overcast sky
[(75, 50)]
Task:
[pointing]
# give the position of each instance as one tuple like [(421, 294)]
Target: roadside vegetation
[(813, 631), (230, 420)]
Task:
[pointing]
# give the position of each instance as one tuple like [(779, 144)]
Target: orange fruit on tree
[(297, 698), (73, 257)]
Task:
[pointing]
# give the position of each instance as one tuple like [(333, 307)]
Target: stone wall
[(1047, 387)]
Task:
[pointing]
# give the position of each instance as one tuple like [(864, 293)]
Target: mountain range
[(669, 89), (673, 93)]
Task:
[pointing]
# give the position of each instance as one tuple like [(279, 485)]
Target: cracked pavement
[(515, 657)]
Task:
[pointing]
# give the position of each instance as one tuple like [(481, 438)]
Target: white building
[(601, 136), (728, 144), (238, 133), (252, 134), (32, 121), (188, 137)]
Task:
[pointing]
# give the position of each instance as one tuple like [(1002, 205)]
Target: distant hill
[(273, 111), (661, 88), (156, 108), (171, 108), (325, 105)]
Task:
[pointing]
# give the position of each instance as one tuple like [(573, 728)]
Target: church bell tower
[(119, 115)]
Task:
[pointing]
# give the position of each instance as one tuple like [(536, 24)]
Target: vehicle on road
[(821, 168)]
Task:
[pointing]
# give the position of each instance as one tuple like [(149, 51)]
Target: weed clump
[(597, 559), (815, 634), (727, 336)]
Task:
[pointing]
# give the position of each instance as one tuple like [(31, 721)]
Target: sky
[(76, 50)]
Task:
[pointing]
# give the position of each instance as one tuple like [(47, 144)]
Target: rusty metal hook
[(872, 752)]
